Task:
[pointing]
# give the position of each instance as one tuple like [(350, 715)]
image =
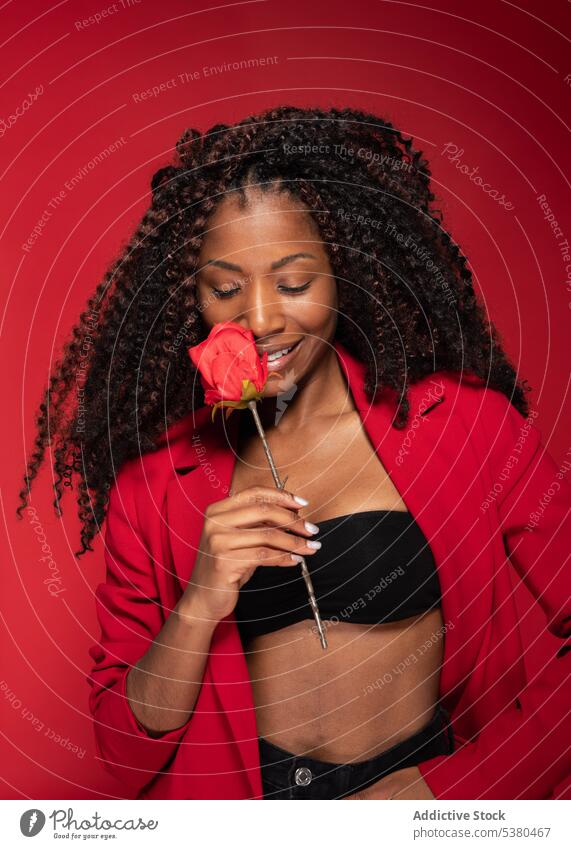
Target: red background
[(488, 77)]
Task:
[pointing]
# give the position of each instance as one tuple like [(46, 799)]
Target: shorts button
[(303, 776)]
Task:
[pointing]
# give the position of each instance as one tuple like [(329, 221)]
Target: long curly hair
[(407, 306)]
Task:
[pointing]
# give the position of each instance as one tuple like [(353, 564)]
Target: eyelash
[(226, 293)]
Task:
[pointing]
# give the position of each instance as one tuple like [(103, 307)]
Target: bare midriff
[(375, 685)]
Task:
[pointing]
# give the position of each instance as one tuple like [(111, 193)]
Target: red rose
[(230, 367)]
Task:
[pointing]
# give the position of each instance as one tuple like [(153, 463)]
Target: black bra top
[(373, 567)]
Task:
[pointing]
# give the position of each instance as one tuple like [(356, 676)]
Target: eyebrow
[(279, 263)]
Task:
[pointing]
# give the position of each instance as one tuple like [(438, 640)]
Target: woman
[(412, 466)]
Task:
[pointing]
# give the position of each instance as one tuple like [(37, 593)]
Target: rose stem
[(280, 485)]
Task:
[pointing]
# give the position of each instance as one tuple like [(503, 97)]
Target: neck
[(322, 393)]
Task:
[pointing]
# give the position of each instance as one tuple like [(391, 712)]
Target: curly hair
[(125, 376)]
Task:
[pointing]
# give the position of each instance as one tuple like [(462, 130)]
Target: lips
[(276, 348), (278, 362)]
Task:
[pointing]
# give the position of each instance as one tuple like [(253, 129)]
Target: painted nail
[(301, 500), (309, 526), (296, 558), (313, 544)]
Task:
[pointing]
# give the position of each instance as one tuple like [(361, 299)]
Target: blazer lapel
[(205, 477)]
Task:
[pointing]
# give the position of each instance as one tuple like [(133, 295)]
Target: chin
[(279, 386)]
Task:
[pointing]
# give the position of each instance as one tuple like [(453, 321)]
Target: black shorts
[(289, 776)]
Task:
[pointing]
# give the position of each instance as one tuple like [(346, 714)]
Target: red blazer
[(475, 476)]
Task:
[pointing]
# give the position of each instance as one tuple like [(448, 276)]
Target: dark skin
[(306, 700), (309, 700)]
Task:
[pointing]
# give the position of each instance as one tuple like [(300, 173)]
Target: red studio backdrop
[(94, 97)]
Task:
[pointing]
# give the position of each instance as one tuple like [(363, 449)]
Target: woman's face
[(265, 267)]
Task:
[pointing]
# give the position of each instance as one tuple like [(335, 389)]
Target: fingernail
[(313, 544), (309, 526), (296, 558), (301, 500)]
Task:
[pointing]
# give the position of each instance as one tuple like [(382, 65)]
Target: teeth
[(277, 354)]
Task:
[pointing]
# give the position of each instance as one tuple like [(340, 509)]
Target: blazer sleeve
[(130, 616), (524, 751)]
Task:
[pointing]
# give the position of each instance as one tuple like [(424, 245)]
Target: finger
[(251, 557), (265, 537), (271, 514), (253, 495)]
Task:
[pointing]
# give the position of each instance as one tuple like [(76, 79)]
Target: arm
[(141, 662), (163, 686), (525, 750)]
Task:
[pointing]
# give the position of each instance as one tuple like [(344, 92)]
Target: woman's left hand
[(404, 784)]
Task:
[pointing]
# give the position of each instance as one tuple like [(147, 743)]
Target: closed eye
[(228, 293)]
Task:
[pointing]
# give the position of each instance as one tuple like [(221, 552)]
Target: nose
[(263, 308)]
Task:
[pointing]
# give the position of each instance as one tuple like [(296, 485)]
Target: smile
[(278, 358)]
